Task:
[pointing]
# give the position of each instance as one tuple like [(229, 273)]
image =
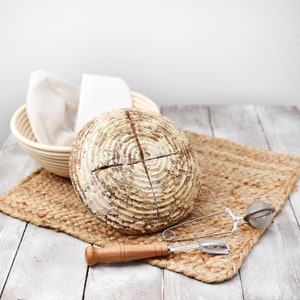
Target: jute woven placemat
[(233, 176)]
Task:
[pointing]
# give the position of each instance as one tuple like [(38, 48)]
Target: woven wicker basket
[(53, 158)]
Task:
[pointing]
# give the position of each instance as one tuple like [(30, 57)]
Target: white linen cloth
[(55, 107), (99, 94), (51, 106)]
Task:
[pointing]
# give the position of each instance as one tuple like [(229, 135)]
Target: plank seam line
[(13, 261), (210, 121), (163, 285), (262, 128), (242, 287), (293, 210), (85, 282)]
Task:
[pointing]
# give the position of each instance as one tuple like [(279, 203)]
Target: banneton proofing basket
[(53, 158)]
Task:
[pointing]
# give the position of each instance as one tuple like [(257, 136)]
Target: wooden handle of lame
[(123, 253)]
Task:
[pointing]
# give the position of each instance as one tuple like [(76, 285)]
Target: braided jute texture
[(233, 176)]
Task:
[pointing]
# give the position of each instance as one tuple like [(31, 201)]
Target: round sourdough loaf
[(135, 170)]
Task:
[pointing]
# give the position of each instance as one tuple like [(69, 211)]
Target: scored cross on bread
[(135, 170)]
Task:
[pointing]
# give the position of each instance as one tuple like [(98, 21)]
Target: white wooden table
[(39, 263)]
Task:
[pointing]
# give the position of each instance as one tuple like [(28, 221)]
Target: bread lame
[(125, 253)]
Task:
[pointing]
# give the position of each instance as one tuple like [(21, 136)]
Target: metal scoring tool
[(259, 215)]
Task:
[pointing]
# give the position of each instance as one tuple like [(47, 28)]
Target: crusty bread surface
[(135, 170)]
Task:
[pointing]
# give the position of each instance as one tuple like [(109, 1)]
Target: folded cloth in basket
[(51, 106)]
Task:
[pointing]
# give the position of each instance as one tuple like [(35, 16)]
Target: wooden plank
[(135, 280), (282, 127), (48, 265), (271, 271), (284, 136), (238, 124), (190, 117), (177, 286), (11, 231), (14, 166), (267, 272)]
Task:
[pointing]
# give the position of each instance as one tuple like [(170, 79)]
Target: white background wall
[(173, 51)]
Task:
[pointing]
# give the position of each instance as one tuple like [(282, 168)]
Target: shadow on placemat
[(233, 175)]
